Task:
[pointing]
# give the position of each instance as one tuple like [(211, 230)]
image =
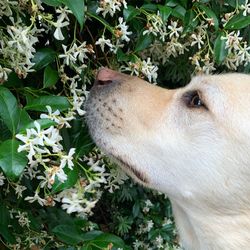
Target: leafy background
[(176, 39)]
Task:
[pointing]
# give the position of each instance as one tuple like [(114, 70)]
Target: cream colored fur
[(199, 157)]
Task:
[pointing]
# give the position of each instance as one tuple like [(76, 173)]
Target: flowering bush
[(57, 190)]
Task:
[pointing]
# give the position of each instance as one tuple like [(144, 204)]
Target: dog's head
[(192, 143)]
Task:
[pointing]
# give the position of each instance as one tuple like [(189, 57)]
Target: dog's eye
[(193, 99)]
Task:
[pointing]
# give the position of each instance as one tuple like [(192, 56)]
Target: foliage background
[(57, 190)]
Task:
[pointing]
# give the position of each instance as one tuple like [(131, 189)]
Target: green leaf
[(55, 102), (190, 22), (70, 182), (7, 234), (24, 119), (50, 77), (238, 22), (4, 215), (13, 81), (12, 162), (77, 7), (209, 13), (143, 41), (44, 123), (130, 12), (54, 3), (165, 12), (68, 234), (179, 12), (9, 111), (103, 240), (149, 7), (43, 57), (91, 235), (220, 52)]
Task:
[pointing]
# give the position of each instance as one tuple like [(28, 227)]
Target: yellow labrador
[(191, 143)]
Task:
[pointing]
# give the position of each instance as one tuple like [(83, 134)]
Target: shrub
[(57, 190)]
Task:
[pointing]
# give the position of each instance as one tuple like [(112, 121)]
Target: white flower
[(19, 190), (110, 6), (60, 23), (37, 198), (23, 219), (246, 8), (149, 70), (67, 159), (4, 74), (174, 31), (159, 242), (102, 42), (123, 30), (149, 225), (197, 39)]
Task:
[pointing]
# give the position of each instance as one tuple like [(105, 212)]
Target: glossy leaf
[(12, 162), (77, 7), (238, 22), (130, 13), (50, 77), (54, 3), (43, 57), (9, 110), (220, 51), (68, 234), (144, 41), (165, 12), (55, 102)]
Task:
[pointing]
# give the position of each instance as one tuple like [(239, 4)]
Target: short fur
[(198, 156)]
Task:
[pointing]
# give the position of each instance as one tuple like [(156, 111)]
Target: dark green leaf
[(130, 12), (55, 102), (13, 81), (105, 239), (77, 7), (68, 234), (4, 215), (24, 119), (91, 235), (238, 22), (220, 51), (54, 3), (43, 57), (7, 234), (143, 41), (190, 22), (9, 111), (70, 182), (165, 12), (50, 77), (12, 162), (179, 12), (149, 7)]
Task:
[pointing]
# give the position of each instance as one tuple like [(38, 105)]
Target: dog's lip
[(129, 167)]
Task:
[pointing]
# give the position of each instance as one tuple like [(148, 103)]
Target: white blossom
[(34, 198), (104, 42)]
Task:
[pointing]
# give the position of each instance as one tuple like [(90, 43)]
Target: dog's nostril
[(102, 83)]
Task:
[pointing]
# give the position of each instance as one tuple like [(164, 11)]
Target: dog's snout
[(107, 76)]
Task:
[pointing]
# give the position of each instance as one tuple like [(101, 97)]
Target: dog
[(192, 143)]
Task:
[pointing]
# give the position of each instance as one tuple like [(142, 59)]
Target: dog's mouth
[(130, 169)]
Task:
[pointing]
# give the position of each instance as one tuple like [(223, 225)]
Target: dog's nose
[(106, 76)]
